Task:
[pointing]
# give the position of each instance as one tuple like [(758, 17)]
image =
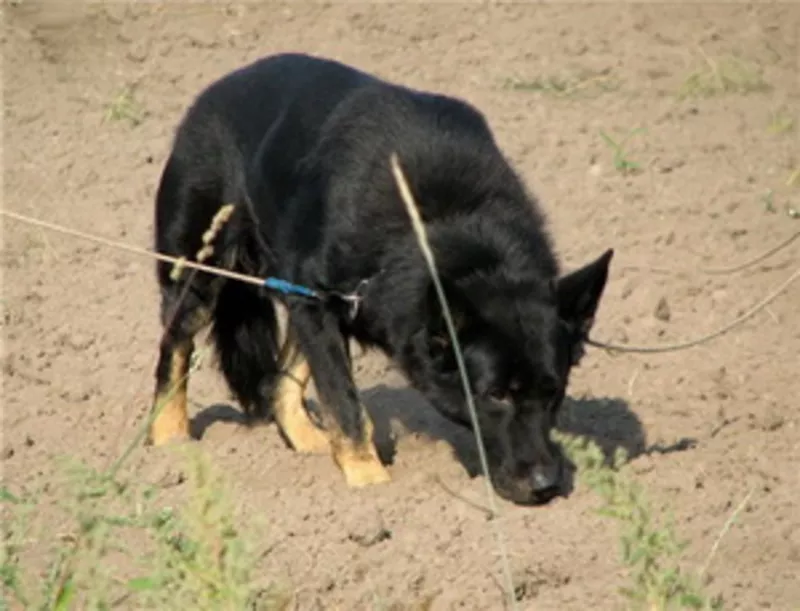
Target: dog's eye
[(498, 394)]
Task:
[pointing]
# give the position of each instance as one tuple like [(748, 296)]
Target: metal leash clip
[(353, 299)]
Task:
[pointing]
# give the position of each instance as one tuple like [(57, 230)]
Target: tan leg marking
[(359, 461), (288, 405), (172, 422)]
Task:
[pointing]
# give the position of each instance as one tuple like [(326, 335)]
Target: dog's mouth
[(536, 488)]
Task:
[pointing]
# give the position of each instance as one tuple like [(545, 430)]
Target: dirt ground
[(706, 426)]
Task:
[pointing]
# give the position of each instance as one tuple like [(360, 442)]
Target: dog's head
[(519, 341)]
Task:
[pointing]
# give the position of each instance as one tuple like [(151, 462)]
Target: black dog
[(301, 147)]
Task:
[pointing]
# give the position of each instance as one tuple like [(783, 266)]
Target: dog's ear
[(579, 292)]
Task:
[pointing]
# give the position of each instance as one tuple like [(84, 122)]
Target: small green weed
[(552, 85), (125, 107), (780, 122), (650, 551), (768, 199), (621, 161), (726, 75), (581, 84), (794, 178)]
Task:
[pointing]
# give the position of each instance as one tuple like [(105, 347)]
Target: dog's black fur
[(301, 146)]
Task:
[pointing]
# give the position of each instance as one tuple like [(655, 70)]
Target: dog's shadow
[(395, 412), (608, 422), (213, 414)]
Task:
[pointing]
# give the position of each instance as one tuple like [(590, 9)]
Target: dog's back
[(250, 133), (243, 105), (220, 133)]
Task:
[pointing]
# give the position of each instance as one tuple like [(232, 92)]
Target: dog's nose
[(546, 479)]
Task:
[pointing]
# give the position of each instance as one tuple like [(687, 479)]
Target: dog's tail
[(245, 334)]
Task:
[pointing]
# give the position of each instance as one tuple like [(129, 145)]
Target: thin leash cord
[(269, 282), (256, 281), (218, 271), (737, 268), (419, 227), (720, 271), (772, 296)]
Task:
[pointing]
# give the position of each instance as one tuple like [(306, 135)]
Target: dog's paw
[(360, 472), (168, 431)]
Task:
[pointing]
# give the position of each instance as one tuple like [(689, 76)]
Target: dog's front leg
[(348, 424)]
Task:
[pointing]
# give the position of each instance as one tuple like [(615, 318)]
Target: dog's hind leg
[(182, 319), (187, 205), (288, 404)]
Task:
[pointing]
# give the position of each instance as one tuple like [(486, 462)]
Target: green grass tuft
[(585, 84), (726, 75), (781, 122), (649, 550), (125, 107), (194, 557), (622, 163)]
